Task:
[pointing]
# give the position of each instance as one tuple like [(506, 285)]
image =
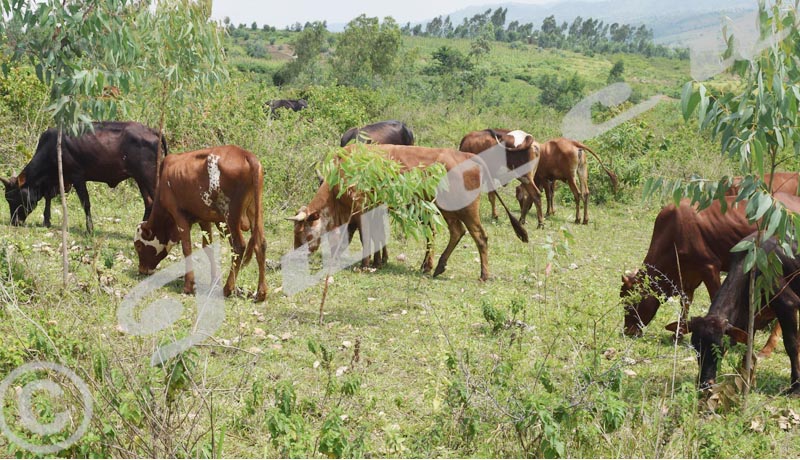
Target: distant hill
[(671, 21)]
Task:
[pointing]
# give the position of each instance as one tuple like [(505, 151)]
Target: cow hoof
[(261, 296), (585, 222), (188, 289), (763, 354), (793, 391), (541, 225), (439, 271)]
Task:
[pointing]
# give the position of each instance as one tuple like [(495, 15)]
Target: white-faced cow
[(328, 211), (521, 150), (112, 153), (728, 315), (564, 159), (214, 185)]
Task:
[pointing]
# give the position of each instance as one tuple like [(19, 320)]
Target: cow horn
[(301, 216), (319, 175), (6, 182)]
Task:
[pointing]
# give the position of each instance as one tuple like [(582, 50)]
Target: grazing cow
[(327, 210), (383, 132), (214, 185), (521, 150), (563, 159), (729, 311), (688, 248), (112, 153), (295, 105), (786, 182)]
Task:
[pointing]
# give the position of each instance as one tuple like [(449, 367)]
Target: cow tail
[(611, 175), (520, 231), (257, 240)]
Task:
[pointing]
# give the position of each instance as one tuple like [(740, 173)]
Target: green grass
[(437, 372)]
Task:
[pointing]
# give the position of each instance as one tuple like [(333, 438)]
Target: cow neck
[(161, 223), (733, 299), (335, 211)]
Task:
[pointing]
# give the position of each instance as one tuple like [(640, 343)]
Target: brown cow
[(701, 241), (327, 211), (214, 185), (785, 182), (563, 159), (728, 314), (521, 150)]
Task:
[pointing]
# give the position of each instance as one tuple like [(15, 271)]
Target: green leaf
[(689, 100), (744, 245)]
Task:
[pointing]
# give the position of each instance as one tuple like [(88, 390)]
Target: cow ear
[(21, 180), (8, 182), (686, 328), (736, 334)]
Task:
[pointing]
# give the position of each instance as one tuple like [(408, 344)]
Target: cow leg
[(583, 175), (83, 195), (261, 258), (47, 200), (185, 235), (237, 246), (457, 231), (549, 190), (535, 197), (207, 240), (577, 195), (378, 245), (353, 226), (791, 341), (481, 239), (772, 341), (427, 261), (492, 196), (147, 197)]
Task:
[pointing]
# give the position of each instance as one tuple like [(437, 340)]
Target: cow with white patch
[(522, 151), (215, 185)]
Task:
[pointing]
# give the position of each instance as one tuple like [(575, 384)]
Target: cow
[(295, 105), (113, 152), (688, 248), (213, 185), (383, 132), (563, 159), (521, 150), (328, 211), (785, 182), (729, 311)]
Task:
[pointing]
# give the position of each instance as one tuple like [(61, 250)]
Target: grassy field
[(531, 363)]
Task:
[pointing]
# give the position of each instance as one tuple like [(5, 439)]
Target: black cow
[(729, 311), (112, 153), (383, 132), (291, 104)]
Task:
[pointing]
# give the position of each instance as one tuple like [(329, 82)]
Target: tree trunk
[(64, 220)]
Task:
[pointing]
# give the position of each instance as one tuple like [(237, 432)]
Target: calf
[(329, 209), (521, 150), (729, 311), (112, 153), (294, 105), (215, 185), (563, 159)]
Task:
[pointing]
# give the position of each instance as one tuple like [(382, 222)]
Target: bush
[(561, 94)]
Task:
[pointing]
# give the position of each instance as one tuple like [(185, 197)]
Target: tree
[(367, 48), (77, 49), (615, 75), (308, 46), (756, 125)]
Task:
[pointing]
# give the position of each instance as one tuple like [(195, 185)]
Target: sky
[(281, 13)]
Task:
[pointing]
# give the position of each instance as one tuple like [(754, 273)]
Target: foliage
[(343, 106), (407, 193), (561, 94), (308, 46), (367, 49), (615, 74)]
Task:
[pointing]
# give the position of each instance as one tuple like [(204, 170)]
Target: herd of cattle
[(223, 185)]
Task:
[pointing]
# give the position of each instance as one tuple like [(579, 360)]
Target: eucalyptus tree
[(758, 125)]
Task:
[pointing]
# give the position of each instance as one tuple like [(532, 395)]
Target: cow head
[(308, 228), (640, 305), (707, 334), (517, 141), (149, 248), (21, 198)]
